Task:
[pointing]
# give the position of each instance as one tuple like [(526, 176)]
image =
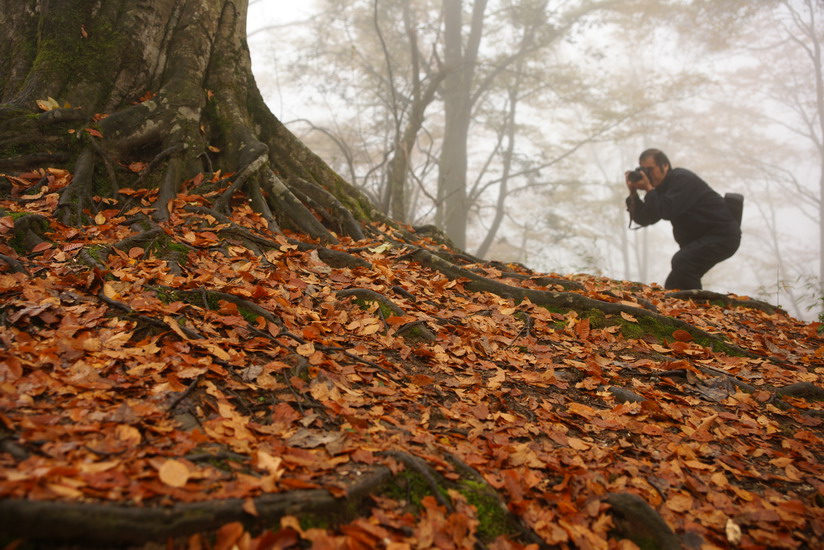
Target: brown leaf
[(249, 507), (682, 335), (174, 473)]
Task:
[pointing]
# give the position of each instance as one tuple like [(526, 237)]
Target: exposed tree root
[(520, 528), (191, 334), (709, 296), (14, 265), (23, 162), (567, 300), (243, 304), (156, 161), (130, 526), (8, 445), (283, 202), (139, 239), (331, 257), (371, 296), (77, 197), (336, 212), (29, 231), (623, 395), (802, 390), (639, 522), (415, 330), (428, 474)]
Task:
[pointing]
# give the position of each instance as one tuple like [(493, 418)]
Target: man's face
[(655, 173)]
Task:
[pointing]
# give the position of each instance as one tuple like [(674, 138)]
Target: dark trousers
[(697, 257)]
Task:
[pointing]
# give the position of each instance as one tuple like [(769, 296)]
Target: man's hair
[(657, 155)]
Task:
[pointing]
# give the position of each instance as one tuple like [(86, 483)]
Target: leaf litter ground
[(131, 384)]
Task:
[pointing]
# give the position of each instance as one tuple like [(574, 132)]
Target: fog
[(740, 112)]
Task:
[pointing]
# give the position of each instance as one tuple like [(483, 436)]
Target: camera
[(636, 175)]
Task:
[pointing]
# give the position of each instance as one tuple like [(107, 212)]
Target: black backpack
[(735, 202)]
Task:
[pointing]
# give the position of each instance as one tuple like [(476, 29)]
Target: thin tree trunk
[(457, 92)]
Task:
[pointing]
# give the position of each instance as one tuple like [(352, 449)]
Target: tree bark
[(453, 207), (168, 82)]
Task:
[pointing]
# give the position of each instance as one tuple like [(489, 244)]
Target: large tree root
[(567, 300), (330, 256), (335, 212), (709, 296), (639, 522), (29, 231), (113, 525), (163, 325), (14, 265)]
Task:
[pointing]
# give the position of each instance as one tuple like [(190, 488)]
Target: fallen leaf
[(174, 473), (627, 317), (680, 502), (733, 532), (47, 104), (682, 335), (249, 507)]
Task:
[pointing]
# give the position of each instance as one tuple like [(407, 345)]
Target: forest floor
[(250, 392)]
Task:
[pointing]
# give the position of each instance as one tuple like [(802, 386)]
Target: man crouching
[(702, 224)]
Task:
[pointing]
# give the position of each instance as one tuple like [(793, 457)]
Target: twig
[(185, 393)]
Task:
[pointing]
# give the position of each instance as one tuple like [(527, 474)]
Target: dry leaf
[(627, 317), (174, 473), (733, 532), (682, 335)]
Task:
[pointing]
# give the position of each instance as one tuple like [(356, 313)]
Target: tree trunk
[(460, 61), (423, 94), (167, 84)]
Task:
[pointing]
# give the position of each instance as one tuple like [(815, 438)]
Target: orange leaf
[(174, 473), (228, 535), (306, 350), (628, 317), (249, 507), (10, 368), (682, 335), (680, 503), (582, 329), (173, 324)]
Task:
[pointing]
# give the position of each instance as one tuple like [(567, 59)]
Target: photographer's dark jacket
[(686, 200)]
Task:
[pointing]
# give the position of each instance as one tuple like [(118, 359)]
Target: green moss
[(494, 519), (597, 318), (89, 55), (168, 295), (385, 310), (650, 327), (16, 243), (178, 252), (96, 251), (410, 488), (250, 316)]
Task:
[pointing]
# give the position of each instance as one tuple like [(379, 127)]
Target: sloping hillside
[(207, 376)]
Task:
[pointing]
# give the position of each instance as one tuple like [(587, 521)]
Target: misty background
[(509, 124)]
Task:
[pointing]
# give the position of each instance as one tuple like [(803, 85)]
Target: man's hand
[(640, 185)]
